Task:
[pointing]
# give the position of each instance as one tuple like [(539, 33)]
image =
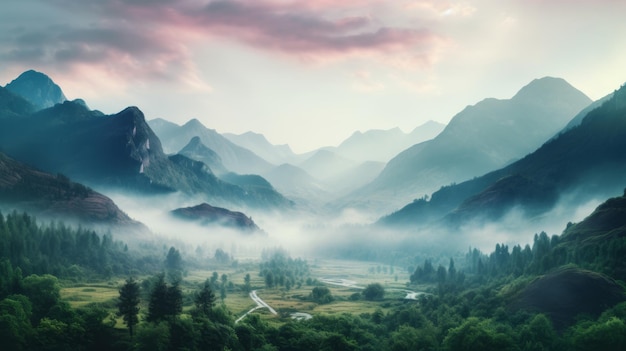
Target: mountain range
[(234, 157), (526, 152), (481, 138), (117, 150), (583, 162)]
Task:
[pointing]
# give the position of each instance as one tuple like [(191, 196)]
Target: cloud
[(156, 38), (309, 34)]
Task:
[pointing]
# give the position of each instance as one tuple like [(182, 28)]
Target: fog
[(348, 234)]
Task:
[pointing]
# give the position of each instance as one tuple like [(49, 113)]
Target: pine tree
[(128, 305), (205, 299), (157, 307)]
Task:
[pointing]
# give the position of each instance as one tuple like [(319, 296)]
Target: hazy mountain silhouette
[(297, 184), (234, 158), (480, 138), (586, 161), (383, 145), (276, 154), (38, 89), (195, 150), (325, 164)]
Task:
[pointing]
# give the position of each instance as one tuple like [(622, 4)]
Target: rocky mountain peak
[(38, 89)]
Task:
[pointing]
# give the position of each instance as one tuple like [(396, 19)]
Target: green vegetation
[(479, 302)]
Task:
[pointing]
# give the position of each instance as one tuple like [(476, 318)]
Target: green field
[(284, 302)]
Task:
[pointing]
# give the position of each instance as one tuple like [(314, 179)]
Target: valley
[(503, 229)]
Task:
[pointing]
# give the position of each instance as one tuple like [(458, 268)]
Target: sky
[(309, 73)]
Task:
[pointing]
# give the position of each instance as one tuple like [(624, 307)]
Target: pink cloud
[(308, 31), (155, 38)]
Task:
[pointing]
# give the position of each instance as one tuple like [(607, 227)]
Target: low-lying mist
[(347, 235)]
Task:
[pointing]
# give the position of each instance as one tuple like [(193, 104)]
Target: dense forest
[(482, 302)]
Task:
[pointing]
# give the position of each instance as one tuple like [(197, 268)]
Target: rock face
[(56, 196), (118, 150), (38, 89), (206, 214), (568, 292)]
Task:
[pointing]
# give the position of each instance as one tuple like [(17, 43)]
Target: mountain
[(585, 162), (481, 138), (235, 158), (13, 105), (297, 184), (38, 89), (276, 154), (54, 196), (354, 177), (383, 145), (118, 150), (325, 164), (208, 215), (195, 150)]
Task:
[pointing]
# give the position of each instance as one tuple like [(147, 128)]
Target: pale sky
[(311, 72)]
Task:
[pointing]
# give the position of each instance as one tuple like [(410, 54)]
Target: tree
[(321, 294), (43, 292), (128, 305), (15, 327), (269, 280), (246, 283), (374, 291), (165, 301), (205, 299), (174, 264)]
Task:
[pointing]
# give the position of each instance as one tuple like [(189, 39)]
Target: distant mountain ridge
[(479, 139), (383, 145), (275, 154), (234, 158), (587, 160)]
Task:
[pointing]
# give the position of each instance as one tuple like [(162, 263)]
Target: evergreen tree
[(165, 301), (128, 305), (205, 299)]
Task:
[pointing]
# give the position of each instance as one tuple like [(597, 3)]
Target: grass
[(284, 302), (79, 296)]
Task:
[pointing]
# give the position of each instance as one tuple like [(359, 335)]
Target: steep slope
[(276, 154), (480, 138), (587, 161), (13, 105), (234, 158), (47, 195), (38, 89), (118, 150), (195, 150)]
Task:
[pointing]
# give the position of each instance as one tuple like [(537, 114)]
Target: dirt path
[(259, 304)]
